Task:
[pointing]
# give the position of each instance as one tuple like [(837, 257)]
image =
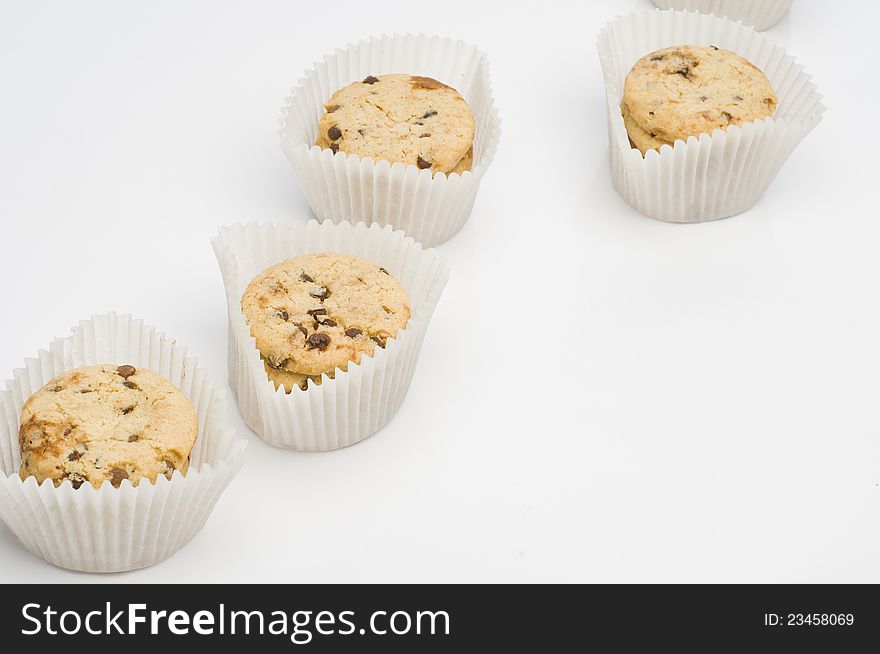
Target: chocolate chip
[(369, 79), (169, 464), (305, 332), (306, 278), (128, 409), (703, 98), (737, 98), (117, 475), (330, 110), (657, 58), (378, 340), (334, 133), (334, 148), (429, 113), (353, 332), (275, 364), (421, 163), (327, 322), (382, 270), (684, 71), (318, 342), (134, 438), (322, 294), (768, 101), (76, 479), (653, 135), (713, 47), (74, 456), (727, 116), (125, 371), (130, 384), (361, 132), (425, 135), (317, 312), (282, 313)]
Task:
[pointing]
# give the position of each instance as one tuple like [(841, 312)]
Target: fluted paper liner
[(760, 14), (359, 401), (113, 529), (710, 176), (338, 187)]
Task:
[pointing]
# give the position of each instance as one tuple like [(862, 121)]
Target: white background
[(601, 397)]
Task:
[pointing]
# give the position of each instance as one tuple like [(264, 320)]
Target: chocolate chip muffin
[(106, 423), (315, 313), (408, 119), (688, 90)]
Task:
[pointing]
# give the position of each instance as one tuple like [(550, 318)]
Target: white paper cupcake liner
[(760, 14), (717, 175), (346, 187), (114, 529), (360, 401)]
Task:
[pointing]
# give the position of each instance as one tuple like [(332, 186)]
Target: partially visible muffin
[(688, 90), (408, 119), (315, 313), (106, 422)]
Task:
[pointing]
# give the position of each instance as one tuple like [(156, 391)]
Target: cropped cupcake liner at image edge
[(127, 522), (760, 14), (427, 199), (344, 406), (707, 176)]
